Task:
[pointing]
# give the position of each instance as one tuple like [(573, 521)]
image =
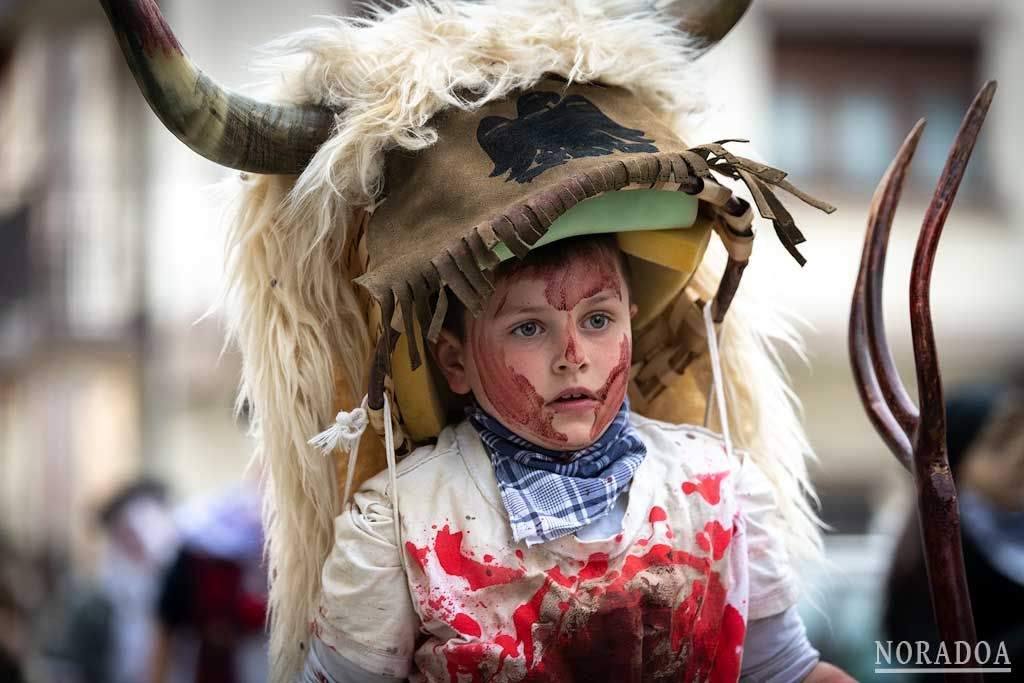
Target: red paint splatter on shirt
[(524, 618), (707, 485), (418, 555), (596, 567), (466, 658), (466, 625), (714, 539), (630, 623), (730, 647), (448, 547), (698, 622), (555, 574), (509, 646)]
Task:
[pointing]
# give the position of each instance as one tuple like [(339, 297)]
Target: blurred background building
[(111, 236)]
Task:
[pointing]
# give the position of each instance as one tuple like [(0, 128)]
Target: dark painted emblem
[(549, 131)]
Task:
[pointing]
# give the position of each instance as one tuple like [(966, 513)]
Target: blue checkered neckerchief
[(549, 494)]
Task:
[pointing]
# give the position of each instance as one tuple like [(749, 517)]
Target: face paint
[(566, 285), (572, 345), (523, 379), (614, 390), (514, 399)]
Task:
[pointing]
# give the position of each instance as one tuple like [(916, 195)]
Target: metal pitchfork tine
[(917, 437)]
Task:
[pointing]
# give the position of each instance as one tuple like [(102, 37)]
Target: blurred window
[(865, 133), (843, 104)]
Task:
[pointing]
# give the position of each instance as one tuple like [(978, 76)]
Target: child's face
[(549, 356)]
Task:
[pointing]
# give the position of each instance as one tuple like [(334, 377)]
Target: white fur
[(390, 73)]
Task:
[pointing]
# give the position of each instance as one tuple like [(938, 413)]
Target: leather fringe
[(464, 267)]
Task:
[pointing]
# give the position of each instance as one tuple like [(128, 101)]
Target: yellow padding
[(662, 261), (652, 288), (680, 249), (418, 399)]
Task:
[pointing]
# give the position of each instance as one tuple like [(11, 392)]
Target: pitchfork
[(917, 437)]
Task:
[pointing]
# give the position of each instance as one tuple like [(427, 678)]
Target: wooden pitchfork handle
[(917, 437)]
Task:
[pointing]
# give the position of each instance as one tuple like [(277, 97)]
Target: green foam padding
[(619, 211)]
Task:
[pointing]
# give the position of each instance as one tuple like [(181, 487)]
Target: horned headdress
[(413, 151)]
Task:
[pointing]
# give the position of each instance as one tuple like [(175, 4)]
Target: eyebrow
[(603, 296), (598, 298), (520, 310)]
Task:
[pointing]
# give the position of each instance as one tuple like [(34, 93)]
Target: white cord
[(389, 448), (345, 433), (716, 379)]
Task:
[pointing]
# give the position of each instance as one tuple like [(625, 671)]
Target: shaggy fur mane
[(298, 320)]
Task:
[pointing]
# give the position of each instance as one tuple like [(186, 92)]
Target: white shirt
[(668, 595)]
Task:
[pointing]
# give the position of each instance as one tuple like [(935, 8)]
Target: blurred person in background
[(986, 453), (109, 631), (12, 621), (211, 609)]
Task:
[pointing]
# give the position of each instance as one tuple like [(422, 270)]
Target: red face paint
[(518, 378), (572, 345), (514, 398), (613, 392), (566, 285)]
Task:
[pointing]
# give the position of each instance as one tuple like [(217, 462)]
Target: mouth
[(575, 398)]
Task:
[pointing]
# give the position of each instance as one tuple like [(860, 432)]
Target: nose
[(571, 354)]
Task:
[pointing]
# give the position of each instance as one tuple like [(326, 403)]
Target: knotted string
[(345, 433)]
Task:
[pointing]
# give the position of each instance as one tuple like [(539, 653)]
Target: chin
[(577, 436)]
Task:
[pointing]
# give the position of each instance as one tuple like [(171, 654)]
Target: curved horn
[(709, 20), (226, 128)]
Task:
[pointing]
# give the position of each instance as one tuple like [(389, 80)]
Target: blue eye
[(597, 321), (527, 330)]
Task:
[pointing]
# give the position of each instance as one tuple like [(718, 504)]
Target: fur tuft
[(293, 311)]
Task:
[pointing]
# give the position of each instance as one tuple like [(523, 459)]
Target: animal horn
[(709, 20), (226, 128)]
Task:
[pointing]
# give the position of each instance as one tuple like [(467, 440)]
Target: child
[(554, 535)]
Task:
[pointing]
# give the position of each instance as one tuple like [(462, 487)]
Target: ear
[(633, 308), (450, 354)]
